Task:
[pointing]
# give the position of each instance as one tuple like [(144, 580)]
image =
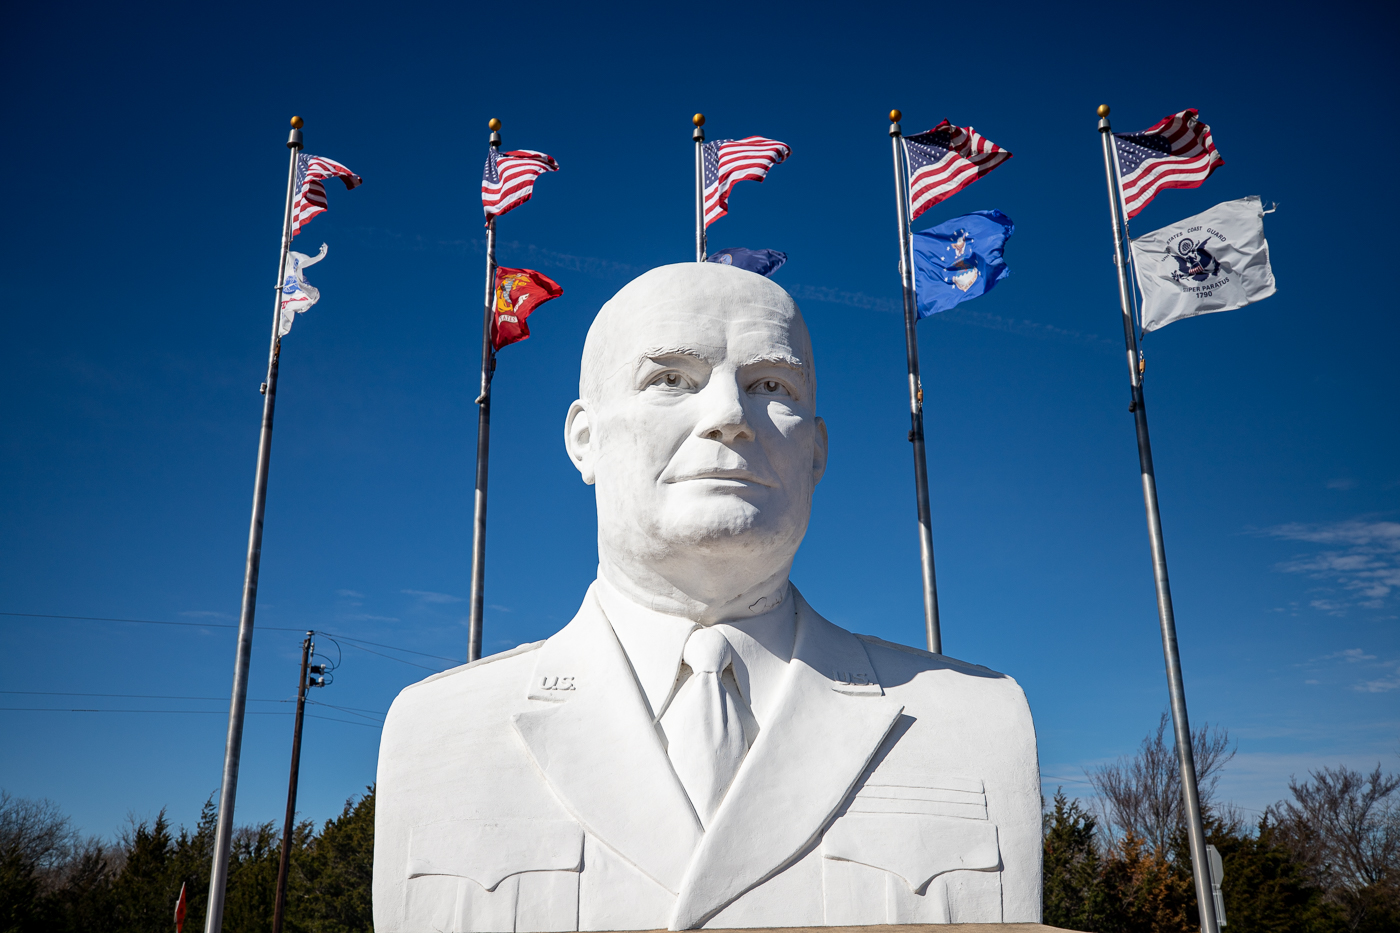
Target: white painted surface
[(534, 791)]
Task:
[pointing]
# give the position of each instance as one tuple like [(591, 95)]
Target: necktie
[(704, 731)]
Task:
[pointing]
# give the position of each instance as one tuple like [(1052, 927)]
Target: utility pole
[(285, 863)]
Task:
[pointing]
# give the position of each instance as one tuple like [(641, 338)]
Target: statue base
[(900, 928)]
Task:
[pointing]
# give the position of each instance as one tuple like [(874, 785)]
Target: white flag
[(1215, 261), (297, 293)]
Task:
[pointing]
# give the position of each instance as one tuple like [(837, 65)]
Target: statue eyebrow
[(652, 353), (777, 359)]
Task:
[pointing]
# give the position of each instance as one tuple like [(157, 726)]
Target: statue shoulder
[(900, 664), (503, 674)]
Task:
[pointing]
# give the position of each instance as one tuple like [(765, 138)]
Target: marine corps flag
[(518, 293)]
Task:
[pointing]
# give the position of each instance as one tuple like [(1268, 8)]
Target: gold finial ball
[(495, 125), (698, 119), (895, 116), (298, 123), (1103, 110)]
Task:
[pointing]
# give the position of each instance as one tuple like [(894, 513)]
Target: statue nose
[(725, 419)]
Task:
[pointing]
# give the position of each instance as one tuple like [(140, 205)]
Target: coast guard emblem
[(1194, 261)]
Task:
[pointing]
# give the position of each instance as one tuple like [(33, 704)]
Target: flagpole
[(932, 629), (699, 137), (483, 434), (233, 746), (1205, 900)]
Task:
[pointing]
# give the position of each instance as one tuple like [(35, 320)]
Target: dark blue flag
[(959, 259), (762, 261)]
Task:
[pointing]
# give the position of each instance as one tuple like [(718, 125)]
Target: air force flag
[(297, 293), (1215, 261), (959, 259)]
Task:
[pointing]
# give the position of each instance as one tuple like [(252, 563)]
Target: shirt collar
[(653, 642)]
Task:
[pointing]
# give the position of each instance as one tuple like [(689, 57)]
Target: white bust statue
[(698, 747)]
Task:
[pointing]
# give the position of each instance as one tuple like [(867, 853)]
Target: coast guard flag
[(761, 261), (1215, 261), (959, 259), (297, 293), (518, 292)]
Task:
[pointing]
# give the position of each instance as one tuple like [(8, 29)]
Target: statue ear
[(578, 439), (819, 452)]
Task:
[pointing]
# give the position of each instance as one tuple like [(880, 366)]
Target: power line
[(425, 667), (272, 628), (165, 696), (213, 712)]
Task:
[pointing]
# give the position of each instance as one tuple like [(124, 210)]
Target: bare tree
[(36, 831), (1345, 826), (1142, 795)]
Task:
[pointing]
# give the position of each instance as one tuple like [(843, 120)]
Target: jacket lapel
[(600, 752), (831, 721)]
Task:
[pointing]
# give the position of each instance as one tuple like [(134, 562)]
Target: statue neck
[(706, 599)]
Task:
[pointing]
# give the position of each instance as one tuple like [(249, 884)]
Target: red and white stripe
[(1191, 161), (747, 159), (970, 156), (311, 194), (517, 171)]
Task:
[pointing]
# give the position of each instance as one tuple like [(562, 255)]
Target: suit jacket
[(531, 791)]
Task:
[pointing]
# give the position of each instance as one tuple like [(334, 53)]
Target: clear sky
[(144, 181)]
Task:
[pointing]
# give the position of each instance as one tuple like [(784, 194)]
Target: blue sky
[(145, 178)]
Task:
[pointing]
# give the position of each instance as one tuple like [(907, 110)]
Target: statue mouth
[(728, 477)]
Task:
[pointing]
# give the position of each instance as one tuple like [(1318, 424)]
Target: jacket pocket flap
[(489, 851), (916, 847)]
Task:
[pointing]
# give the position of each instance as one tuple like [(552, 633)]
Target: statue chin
[(713, 526)]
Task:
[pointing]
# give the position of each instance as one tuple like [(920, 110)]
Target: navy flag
[(959, 259), (762, 261)]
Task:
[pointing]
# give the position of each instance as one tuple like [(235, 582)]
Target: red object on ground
[(518, 293)]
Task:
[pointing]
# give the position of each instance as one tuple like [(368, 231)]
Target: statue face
[(701, 437)]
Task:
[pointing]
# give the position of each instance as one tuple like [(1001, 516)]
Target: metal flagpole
[(228, 790), (1205, 900), (916, 389), (483, 433), (699, 137)]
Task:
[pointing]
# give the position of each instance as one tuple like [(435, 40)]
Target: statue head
[(696, 424)]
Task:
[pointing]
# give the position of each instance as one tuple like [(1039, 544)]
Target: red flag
[(180, 912), (518, 292)]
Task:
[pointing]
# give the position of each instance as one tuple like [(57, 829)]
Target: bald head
[(684, 298)]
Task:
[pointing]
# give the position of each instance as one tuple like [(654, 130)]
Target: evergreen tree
[(337, 872), (19, 893), (1074, 894), (142, 897)]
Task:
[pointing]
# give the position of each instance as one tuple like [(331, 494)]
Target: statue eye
[(671, 381), (769, 387)]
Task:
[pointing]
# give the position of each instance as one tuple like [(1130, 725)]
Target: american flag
[(311, 194), (509, 178), (729, 161), (1176, 153), (944, 161)]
